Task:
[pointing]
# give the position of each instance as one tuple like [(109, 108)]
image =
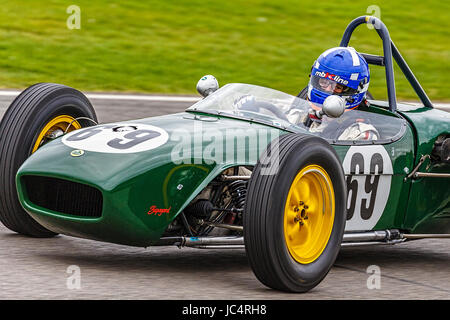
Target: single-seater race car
[(242, 168)]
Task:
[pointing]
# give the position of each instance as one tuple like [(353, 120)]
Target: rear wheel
[(295, 216), (39, 114)]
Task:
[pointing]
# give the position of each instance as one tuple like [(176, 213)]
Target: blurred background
[(166, 46)]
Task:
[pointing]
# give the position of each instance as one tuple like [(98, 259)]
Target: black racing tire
[(267, 209), (20, 128)]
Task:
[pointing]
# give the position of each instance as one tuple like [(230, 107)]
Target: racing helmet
[(341, 71)]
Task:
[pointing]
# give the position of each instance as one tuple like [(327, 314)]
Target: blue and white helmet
[(341, 71)]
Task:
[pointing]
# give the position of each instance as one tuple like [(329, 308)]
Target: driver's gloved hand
[(246, 102), (295, 116), (360, 131)]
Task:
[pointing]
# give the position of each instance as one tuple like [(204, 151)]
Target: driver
[(344, 72)]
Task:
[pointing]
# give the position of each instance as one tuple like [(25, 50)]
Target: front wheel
[(295, 213), (39, 114)]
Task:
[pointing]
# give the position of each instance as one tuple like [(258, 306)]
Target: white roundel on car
[(117, 138), (368, 171)]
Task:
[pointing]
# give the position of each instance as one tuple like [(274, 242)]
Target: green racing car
[(242, 168)]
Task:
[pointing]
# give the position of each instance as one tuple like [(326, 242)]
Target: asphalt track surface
[(43, 268)]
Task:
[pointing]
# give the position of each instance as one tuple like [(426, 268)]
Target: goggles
[(331, 87)]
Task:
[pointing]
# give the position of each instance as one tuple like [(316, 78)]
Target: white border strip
[(104, 96), (143, 97)]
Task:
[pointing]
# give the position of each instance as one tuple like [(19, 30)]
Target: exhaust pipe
[(214, 242), (370, 236), (350, 239), (237, 242), (204, 242)]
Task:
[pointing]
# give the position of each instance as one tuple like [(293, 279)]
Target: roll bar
[(389, 51)]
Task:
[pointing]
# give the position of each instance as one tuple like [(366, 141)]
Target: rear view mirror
[(207, 85), (334, 106)]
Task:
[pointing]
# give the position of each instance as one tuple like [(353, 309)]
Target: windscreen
[(276, 108)]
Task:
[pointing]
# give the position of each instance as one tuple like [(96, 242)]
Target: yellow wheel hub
[(58, 123), (309, 214)]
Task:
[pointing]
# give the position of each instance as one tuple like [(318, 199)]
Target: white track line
[(104, 96), (143, 97)]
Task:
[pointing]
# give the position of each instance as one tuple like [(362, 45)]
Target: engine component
[(441, 151), (200, 209), (238, 191)]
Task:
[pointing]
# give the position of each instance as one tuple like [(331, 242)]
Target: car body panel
[(131, 183), (429, 201), (134, 182), (428, 205)]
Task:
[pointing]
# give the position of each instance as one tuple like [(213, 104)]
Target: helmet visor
[(331, 87)]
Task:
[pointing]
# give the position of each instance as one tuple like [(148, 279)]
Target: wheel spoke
[(295, 197), (290, 216), (297, 235), (303, 189)]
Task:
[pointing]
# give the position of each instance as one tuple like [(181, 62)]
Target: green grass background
[(166, 46)]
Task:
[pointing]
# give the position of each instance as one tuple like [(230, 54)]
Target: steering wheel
[(267, 106)]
